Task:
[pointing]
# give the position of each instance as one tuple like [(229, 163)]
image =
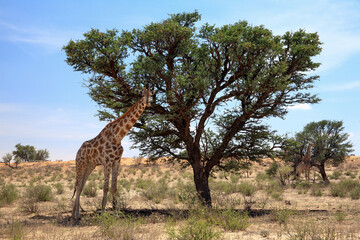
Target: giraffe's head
[(146, 94)]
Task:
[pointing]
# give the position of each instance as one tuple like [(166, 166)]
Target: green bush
[(39, 193), (275, 190), (90, 189), (234, 221), (316, 191), (337, 191), (158, 191), (355, 193), (8, 194), (344, 188), (59, 188), (335, 175), (272, 170), (112, 227), (281, 216), (194, 229)]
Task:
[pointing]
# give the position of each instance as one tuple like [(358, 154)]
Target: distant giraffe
[(305, 165), (105, 149)]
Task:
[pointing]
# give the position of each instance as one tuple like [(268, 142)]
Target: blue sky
[(43, 102)]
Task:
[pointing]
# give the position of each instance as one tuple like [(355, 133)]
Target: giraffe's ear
[(152, 92)]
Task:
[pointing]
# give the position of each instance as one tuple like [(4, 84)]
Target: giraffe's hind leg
[(107, 169), (82, 176)]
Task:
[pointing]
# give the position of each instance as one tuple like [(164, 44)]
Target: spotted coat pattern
[(106, 150)]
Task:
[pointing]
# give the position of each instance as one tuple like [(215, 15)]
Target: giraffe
[(105, 149), (305, 165)]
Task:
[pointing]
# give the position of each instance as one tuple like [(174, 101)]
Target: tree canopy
[(331, 144), (28, 153), (213, 85)]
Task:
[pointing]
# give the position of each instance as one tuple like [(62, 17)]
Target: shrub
[(144, 183), (271, 171), (8, 194), (39, 193), (157, 192), (59, 188), (234, 221), (337, 191), (113, 228), (90, 189), (344, 187), (281, 216), (316, 191), (335, 175), (355, 193), (275, 190), (283, 174), (29, 206), (16, 230), (247, 190), (194, 230)]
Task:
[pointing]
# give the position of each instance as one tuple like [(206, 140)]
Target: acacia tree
[(331, 145), (213, 85), (28, 153)]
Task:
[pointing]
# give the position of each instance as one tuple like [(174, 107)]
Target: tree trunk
[(201, 179), (321, 168)]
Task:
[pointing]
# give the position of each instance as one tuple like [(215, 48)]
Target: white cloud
[(9, 108), (336, 22), (300, 106), (341, 87), (49, 39)]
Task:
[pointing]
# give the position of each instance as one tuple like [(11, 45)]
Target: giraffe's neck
[(308, 153), (123, 124)]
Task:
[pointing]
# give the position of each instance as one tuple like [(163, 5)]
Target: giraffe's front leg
[(114, 192), (106, 187)]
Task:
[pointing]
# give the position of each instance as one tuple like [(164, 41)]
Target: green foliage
[(231, 220), (272, 170), (331, 144), (7, 158), (344, 188), (112, 227), (90, 189), (16, 230), (335, 175), (59, 188), (283, 174), (39, 193), (8, 194), (281, 216), (157, 192), (28, 153), (194, 229), (196, 70)]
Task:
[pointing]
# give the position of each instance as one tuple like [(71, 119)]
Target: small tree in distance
[(7, 159), (28, 153), (213, 86), (331, 145)]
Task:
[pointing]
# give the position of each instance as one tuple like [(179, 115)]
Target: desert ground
[(157, 201)]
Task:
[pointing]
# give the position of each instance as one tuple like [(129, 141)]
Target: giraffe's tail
[(74, 193)]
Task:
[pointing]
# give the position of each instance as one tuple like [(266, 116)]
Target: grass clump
[(8, 194), (231, 220), (282, 216), (158, 191), (39, 193), (193, 229), (345, 188), (59, 188), (112, 227), (90, 189)]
